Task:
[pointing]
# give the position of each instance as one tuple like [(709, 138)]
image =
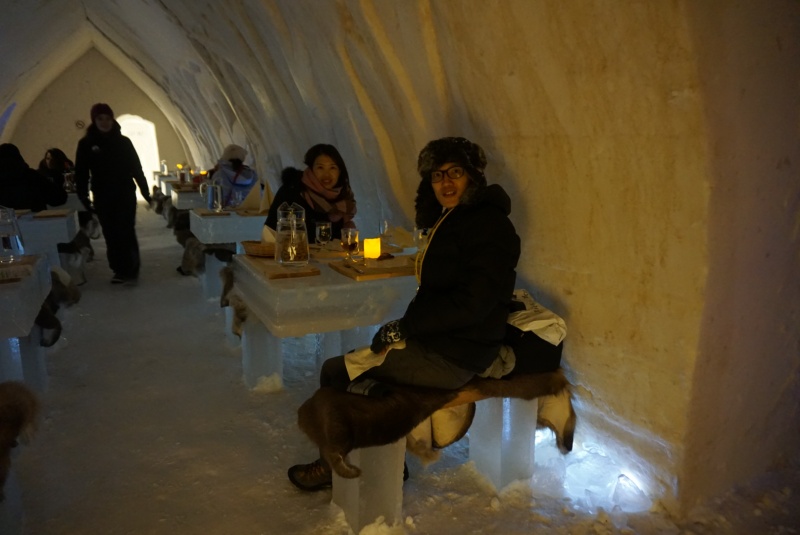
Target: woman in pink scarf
[(322, 189)]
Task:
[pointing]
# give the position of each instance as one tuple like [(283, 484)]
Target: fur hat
[(234, 152), (453, 149), (436, 153), (101, 109)]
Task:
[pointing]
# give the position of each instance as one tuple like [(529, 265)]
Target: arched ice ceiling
[(217, 68)]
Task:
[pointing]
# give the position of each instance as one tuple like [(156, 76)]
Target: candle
[(372, 247)]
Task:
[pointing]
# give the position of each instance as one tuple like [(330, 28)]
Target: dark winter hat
[(453, 149), (101, 109)]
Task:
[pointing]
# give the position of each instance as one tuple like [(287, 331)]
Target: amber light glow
[(372, 247)]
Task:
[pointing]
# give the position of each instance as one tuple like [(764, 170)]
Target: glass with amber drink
[(349, 242)]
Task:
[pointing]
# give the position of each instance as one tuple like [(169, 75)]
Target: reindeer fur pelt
[(339, 422), (19, 411)]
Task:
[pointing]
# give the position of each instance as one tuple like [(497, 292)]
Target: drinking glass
[(11, 247), (421, 239), (323, 233), (350, 242)]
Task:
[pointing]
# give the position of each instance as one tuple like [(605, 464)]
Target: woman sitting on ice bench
[(454, 327)]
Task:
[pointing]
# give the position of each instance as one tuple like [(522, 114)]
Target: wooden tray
[(257, 248), (17, 270), (203, 212), (327, 252), (364, 273), (185, 187), (251, 213), (51, 213), (273, 270)]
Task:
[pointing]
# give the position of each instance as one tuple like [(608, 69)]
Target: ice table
[(22, 358), (186, 199), (41, 235), (217, 229), (329, 303), (166, 184), (73, 203)]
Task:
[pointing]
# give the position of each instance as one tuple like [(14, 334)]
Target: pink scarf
[(326, 200)]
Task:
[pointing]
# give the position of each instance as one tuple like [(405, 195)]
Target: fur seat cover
[(339, 422)]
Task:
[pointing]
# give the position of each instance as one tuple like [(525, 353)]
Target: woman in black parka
[(454, 326), (108, 161)]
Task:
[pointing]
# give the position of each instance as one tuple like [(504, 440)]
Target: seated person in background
[(23, 188), (54, 164), (455, 325), (322, 189), (234, 176)]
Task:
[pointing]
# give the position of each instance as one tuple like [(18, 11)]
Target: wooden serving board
[(250, 213), (203, 212), (257, 248), (51, 213), (17, 270), (364, 273), (273, 270)]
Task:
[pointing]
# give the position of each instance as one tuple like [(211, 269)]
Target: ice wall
[(651, 189)]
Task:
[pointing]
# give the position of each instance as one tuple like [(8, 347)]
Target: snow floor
[(148, 429)]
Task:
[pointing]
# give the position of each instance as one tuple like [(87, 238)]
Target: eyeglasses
[(452, 172)]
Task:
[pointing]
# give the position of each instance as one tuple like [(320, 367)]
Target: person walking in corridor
[(106, 162)]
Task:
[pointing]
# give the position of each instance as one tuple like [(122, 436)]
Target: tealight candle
[(372, 247)]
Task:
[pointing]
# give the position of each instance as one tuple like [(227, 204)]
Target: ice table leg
[(10, 360), (232, 338), (34, 361), (501, 439), (212, 284), (261, 353), (378, 491)]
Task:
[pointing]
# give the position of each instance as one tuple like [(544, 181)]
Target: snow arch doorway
[(142, 134)]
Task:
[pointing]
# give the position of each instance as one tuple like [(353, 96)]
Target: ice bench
[(366, 435)]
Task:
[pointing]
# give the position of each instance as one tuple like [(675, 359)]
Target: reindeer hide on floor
[(339, 422)]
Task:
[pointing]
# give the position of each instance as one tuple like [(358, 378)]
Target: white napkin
[(267, 235), (361, 360)]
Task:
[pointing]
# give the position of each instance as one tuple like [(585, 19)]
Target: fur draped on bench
[(339, 422)]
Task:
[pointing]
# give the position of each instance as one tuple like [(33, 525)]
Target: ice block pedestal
[(501, 439), (378, 491)]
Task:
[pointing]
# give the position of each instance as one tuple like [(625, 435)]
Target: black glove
[(391, 332)]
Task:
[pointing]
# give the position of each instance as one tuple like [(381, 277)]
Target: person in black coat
[(54, 164), (108, 161), (23, 188), (455, 325), (322, 190)]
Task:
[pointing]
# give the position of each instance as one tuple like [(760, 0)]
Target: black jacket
[(112, 162), (22, 187), (30, 190), (291, 191), (468, 277)]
